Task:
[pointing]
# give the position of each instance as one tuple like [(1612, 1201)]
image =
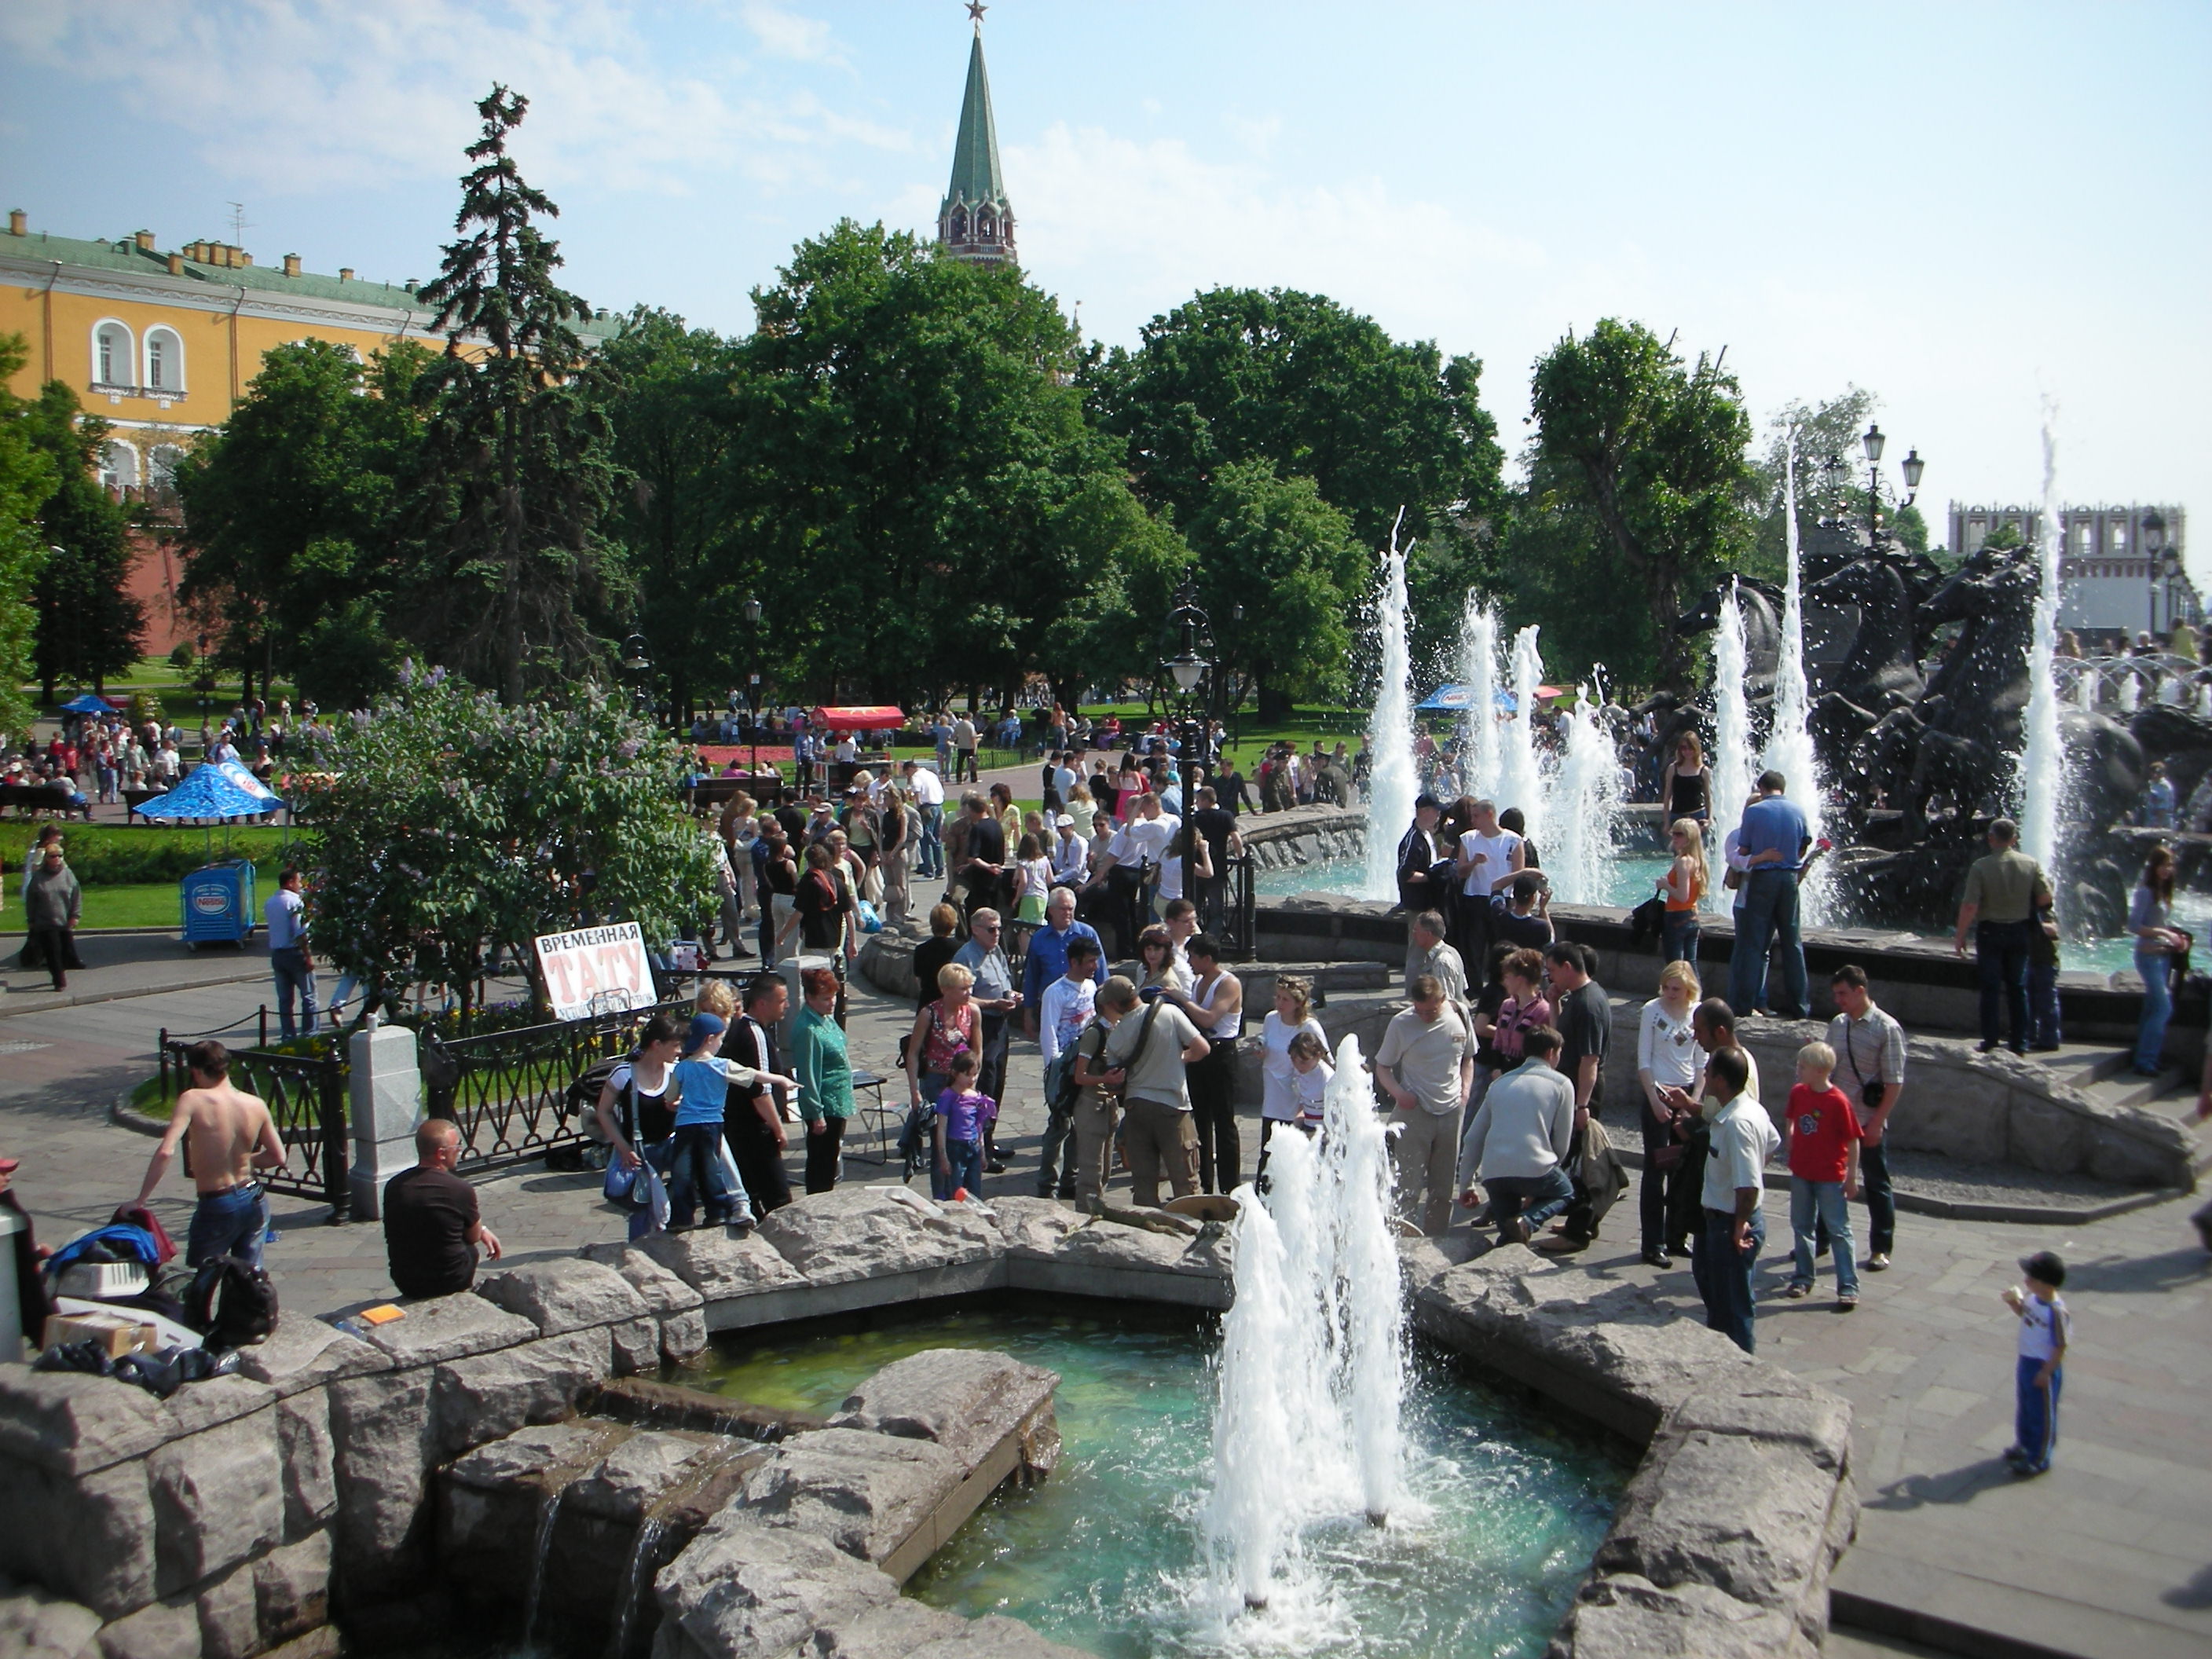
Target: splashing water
[(1735, 754), (1585, 801), (2042, 775), (1478, 672), (1312, 1377), (1790, 742), (1394, 780), (1521, 777)]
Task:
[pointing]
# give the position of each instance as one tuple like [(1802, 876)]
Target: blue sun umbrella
[(86, 703)]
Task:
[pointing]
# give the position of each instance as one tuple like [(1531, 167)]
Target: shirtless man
[(231, 1135)]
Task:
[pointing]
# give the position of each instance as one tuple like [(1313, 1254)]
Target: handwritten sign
[(595, 970)]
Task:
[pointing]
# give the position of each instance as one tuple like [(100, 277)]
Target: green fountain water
[(1505, 1509)]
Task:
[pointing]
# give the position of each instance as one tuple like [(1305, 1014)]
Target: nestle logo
[(210, 900)]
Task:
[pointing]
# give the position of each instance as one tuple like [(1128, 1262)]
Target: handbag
[(871, 920)]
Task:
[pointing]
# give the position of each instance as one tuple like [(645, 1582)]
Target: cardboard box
[(117, 1333)]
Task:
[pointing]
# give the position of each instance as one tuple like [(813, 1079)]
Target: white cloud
[(786, 34)]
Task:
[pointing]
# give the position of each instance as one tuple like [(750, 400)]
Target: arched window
[(165, 361), (114, 356), (118, 467), (161, 470), (983, 226), (960, 224)]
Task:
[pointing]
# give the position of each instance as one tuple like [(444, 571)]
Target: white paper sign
[(595, 970)]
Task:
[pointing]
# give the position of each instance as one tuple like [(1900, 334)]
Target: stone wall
[(1725, 1538)]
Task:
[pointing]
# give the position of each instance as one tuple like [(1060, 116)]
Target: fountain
[(2042, 775), (1790, 740), (1585, 802), (1394, 780), (1312, 1370), (1521, 776), (1735, 753), (1477, 654)]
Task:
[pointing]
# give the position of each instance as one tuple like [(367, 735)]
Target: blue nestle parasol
[(86, 703), (219, 789), (1457, 698)]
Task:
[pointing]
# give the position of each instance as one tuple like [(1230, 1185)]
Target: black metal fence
[(509, 1090), (304, 1086), (1236, 926)]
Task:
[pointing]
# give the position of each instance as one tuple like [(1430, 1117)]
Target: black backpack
[(232, 1303)]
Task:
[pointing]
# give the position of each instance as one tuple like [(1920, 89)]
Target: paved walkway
[(2107, 1555)]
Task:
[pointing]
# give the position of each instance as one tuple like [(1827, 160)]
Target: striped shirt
[(1869, 1049)]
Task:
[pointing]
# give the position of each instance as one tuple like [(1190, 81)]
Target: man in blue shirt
[(1048, 953), (1772, 841)]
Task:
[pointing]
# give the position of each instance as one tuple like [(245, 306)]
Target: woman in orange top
[(1683, 886)]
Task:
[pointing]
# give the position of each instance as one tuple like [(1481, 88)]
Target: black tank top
[(1688, 797)]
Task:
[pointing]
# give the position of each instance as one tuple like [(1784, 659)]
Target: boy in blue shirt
[(702, 1079)]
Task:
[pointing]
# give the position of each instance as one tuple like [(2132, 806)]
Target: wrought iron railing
[(509, 1090), (304, 1085)]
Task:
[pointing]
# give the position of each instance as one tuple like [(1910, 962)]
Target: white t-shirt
[(1150, 838), (2044, 1326), (928, 787), (1744, 1136), (1496, 866), (1310, 1092), (286, 916), (1666, 1047), (963, 733), (1070, 860), (1063, 780), (1277, 1077), (1065, 1009)]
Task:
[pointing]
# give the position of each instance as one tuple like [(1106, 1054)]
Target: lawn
[(129, 874)]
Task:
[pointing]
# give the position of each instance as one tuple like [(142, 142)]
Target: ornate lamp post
[(753, 679), (2155, 558), (637, 663), (1187, 669), (1873, 442)]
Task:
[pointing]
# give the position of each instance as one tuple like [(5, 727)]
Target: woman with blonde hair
[(1668, 1056), (1684, 887), (1291, 1014), (1686, 788)]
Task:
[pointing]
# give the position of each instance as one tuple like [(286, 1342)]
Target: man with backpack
[(1155, 1088), (231, 1135)]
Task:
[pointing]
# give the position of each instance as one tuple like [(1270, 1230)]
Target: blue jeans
[(2035, 1412), (1822, 1202), (294, 977), (1533, 1199), (1723, 1276), (2156, 968), (1679, 934), (2000, 955), (965, 1159), (229, 1224), (932, 855), (1769, 915), (2044, 1028), (696, 1175)]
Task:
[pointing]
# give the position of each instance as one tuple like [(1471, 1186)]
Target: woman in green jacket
[(825, 1070)]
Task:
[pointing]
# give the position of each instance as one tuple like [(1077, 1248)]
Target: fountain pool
[(1505, 1508), (1628, 878)]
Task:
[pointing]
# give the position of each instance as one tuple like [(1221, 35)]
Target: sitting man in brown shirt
[(431, 1226)]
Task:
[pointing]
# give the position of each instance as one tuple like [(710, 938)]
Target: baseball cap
[(1063, 822), (2045, 1266), (1427, 799), (703, 1025)]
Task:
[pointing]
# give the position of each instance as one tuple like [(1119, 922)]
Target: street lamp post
[(753, 680), (1186, 669), (1872, 442), (2155, 559), (637, 663)]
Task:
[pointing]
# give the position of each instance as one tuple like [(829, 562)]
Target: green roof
[(124, 254), (975, 175)]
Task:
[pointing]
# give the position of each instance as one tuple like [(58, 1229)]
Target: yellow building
[(162, 345)]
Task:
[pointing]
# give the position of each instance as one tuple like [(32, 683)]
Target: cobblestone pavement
[(2108, 1554)]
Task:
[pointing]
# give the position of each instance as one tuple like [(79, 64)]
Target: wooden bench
[(32, 798)]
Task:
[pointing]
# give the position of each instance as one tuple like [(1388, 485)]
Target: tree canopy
[(88, 623), (27, 478)]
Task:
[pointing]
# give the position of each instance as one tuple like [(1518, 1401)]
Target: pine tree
[(519, 455)]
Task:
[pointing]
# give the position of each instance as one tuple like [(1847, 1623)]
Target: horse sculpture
[(1761, 603), (1883, 664)]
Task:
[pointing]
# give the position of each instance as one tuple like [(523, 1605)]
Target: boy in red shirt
[(1820, 1137)]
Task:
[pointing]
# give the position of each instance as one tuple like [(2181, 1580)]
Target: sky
[(1976, 210)]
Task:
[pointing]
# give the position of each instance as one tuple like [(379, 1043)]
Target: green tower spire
[(976, 221)]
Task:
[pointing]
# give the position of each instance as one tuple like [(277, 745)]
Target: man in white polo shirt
[(1727, 1251), (929, 800)]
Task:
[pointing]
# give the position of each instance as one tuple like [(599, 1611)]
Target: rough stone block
[(71, 1423), (323, 1642), (563, 1295), (1765, 1402), (745, 1591), (1623, 1617), (380, 1436), (303, 1440), (218, 1499), (717, 1267), (305, 1354), (160, 1629), (89, 1537), (2045, 1136), (36, 1624), (1035, 1226), (639, 1472), (229, 1627), (965, 1399), (682, 1335), (1741, 1513), (448, 1328), (664, 1293), (1959, 1111), (866, 1232), (2157, 1154), (490, 1500), (292, 1589), (907, 1629), (634, 1347), (480, 1398), (866, 1493)]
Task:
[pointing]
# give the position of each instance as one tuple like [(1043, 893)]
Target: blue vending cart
[(217, 903)]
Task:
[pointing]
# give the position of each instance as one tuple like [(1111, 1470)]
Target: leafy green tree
[(448, 820), (912, 474), (289, 509), (88, 623), (1654, 450), (520, 466), (1560, 571), (1296, 564), (28, 475)]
